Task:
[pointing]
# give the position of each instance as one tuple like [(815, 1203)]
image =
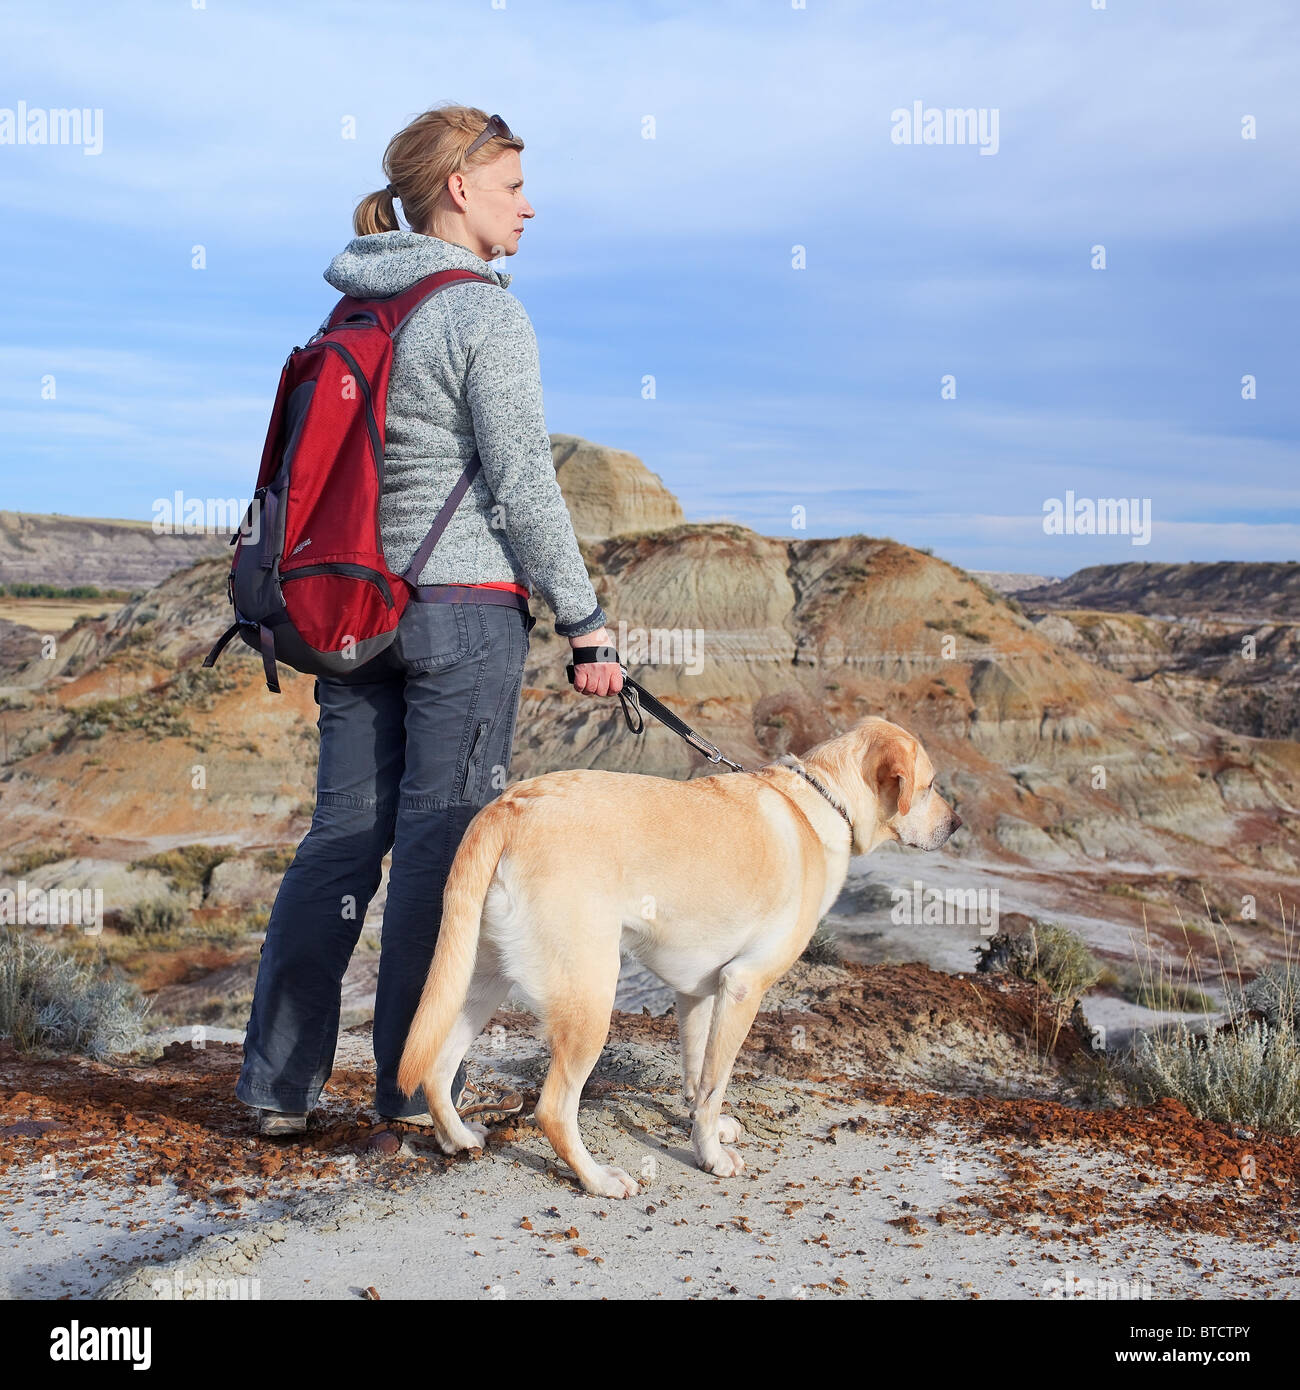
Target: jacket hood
[(384, 263)]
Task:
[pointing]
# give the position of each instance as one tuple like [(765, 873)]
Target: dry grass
[(1054, 959), (1245, 1071), (823, 946), (51, 999), (55, 614), (188, 866)]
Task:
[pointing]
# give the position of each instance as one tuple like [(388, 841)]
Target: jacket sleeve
[(504, 390)]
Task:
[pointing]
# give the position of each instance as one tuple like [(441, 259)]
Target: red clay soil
[(178, 1118), (868, 1016), (1227, 1185)]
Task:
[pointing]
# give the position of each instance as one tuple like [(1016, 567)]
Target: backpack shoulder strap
[(391, 313), (412, 572)]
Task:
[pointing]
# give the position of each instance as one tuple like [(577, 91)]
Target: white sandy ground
[(692, 1236), (457, 1232)]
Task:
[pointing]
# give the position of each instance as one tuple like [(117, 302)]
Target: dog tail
[(452, 968)]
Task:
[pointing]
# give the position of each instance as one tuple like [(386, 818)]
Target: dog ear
[(896, 761)]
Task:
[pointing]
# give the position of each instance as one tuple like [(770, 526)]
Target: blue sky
[(776, 387)]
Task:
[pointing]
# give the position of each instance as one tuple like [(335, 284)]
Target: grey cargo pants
[(412, 744)]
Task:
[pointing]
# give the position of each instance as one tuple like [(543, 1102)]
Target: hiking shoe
[(473, 1103), (488, 1107), (277, 1123)]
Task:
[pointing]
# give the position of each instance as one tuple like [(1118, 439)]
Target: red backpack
[(309, 583)]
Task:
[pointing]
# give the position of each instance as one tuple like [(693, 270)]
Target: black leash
[(634, 696)]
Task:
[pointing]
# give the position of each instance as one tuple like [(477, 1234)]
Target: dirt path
[(901, 1141)]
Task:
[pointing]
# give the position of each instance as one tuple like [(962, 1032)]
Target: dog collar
[(791, 762)]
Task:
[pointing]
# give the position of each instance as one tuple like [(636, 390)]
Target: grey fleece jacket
[(466, 372)]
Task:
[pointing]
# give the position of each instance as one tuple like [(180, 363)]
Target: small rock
[(26, 1129)]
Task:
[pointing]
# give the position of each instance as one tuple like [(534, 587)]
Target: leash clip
[(713, 754), (628, 699)]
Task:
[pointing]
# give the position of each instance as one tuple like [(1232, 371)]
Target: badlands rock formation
[(1059, 765)]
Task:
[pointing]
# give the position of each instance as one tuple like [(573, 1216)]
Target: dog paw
[(474, 1137), (727, 1164), (612, 1182), (729, 1129)]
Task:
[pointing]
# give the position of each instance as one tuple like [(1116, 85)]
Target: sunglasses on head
[(495, 126)]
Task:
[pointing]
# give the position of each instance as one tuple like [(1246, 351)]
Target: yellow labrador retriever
[(715, 884)]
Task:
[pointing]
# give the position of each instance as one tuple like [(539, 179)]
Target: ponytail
[(376, 212)]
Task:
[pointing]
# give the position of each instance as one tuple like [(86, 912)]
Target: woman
[(415, 741)]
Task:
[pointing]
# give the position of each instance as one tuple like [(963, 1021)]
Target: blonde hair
[(420, 159)]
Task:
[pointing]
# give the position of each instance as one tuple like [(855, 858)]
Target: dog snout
[(956, 823)]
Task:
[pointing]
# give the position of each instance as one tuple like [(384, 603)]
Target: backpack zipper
[(360, 377), (349, 570)]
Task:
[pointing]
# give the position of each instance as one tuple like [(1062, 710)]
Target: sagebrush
[(52, 1000), (1244, 1074)]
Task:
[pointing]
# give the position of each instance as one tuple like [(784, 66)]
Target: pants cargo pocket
[(470, 788)]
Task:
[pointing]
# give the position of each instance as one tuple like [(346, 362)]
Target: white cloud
[(227, 119), (222, 127)]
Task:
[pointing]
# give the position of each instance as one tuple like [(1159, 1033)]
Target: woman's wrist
[(593, 622)]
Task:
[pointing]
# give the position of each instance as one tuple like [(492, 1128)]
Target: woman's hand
[(596, 677)]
